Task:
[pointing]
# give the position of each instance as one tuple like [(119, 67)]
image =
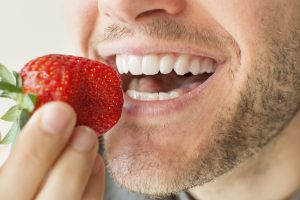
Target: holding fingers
[(50, 151)]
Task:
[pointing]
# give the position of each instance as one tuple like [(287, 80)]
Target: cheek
[(81, 18), (245, 21)]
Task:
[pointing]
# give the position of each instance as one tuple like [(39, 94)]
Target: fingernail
[(55, 119), (96, 167), (84, 139)]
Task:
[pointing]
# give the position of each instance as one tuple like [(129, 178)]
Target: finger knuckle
[(34, 155)]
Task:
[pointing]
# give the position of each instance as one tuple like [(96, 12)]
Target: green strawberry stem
[(11, 88)]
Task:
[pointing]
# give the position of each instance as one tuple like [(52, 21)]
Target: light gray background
[(30, 28)]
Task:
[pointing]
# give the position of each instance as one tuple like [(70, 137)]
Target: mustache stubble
[(168, 30)]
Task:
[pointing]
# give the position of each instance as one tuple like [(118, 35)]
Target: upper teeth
[(152, 64)]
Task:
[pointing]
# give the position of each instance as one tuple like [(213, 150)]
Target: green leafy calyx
[(11, 87)]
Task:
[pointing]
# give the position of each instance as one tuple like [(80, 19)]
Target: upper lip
[(107, 53)]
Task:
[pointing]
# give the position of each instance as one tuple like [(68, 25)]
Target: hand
[(53, 160)]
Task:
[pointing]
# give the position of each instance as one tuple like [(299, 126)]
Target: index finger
[(37, 148)]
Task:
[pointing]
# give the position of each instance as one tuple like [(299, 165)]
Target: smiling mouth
[(161, 77)]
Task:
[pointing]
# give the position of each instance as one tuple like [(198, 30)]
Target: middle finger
[(70, 174)]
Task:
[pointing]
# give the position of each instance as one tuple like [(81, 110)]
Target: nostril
[(150, 12), (128, 11)]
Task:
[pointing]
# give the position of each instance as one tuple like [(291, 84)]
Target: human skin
[(238, 120), (41, 163)]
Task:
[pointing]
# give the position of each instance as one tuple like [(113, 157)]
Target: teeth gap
[(166, 91)]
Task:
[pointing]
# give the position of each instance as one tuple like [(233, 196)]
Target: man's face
[(215, 120)]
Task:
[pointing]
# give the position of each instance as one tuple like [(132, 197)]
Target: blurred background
[(30, 28)]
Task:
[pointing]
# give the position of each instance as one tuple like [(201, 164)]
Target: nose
[(130, 11)]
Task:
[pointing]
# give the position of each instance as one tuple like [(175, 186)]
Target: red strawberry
[(90, 87)]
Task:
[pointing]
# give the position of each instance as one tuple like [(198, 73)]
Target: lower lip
[(154, 109)]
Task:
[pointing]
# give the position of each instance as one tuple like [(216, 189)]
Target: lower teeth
[(145, 96)]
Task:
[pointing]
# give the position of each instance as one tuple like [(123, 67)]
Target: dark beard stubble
[(269, 99), (268, 102)]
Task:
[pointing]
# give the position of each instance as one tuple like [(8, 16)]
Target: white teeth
[(182, 65), (164, 96), (150, 64), (124, 63), (208, 65), (166, 63), (174, 94), (132, 94), (134, 65), (195, 67), (119, 64), (146, 96), (153, 64)]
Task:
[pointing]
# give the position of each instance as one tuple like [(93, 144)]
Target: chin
[(158, 159)]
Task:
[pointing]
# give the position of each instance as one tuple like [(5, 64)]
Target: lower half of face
[(212, 123), (207, 135)]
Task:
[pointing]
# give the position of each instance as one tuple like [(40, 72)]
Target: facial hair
[(268, 100)]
